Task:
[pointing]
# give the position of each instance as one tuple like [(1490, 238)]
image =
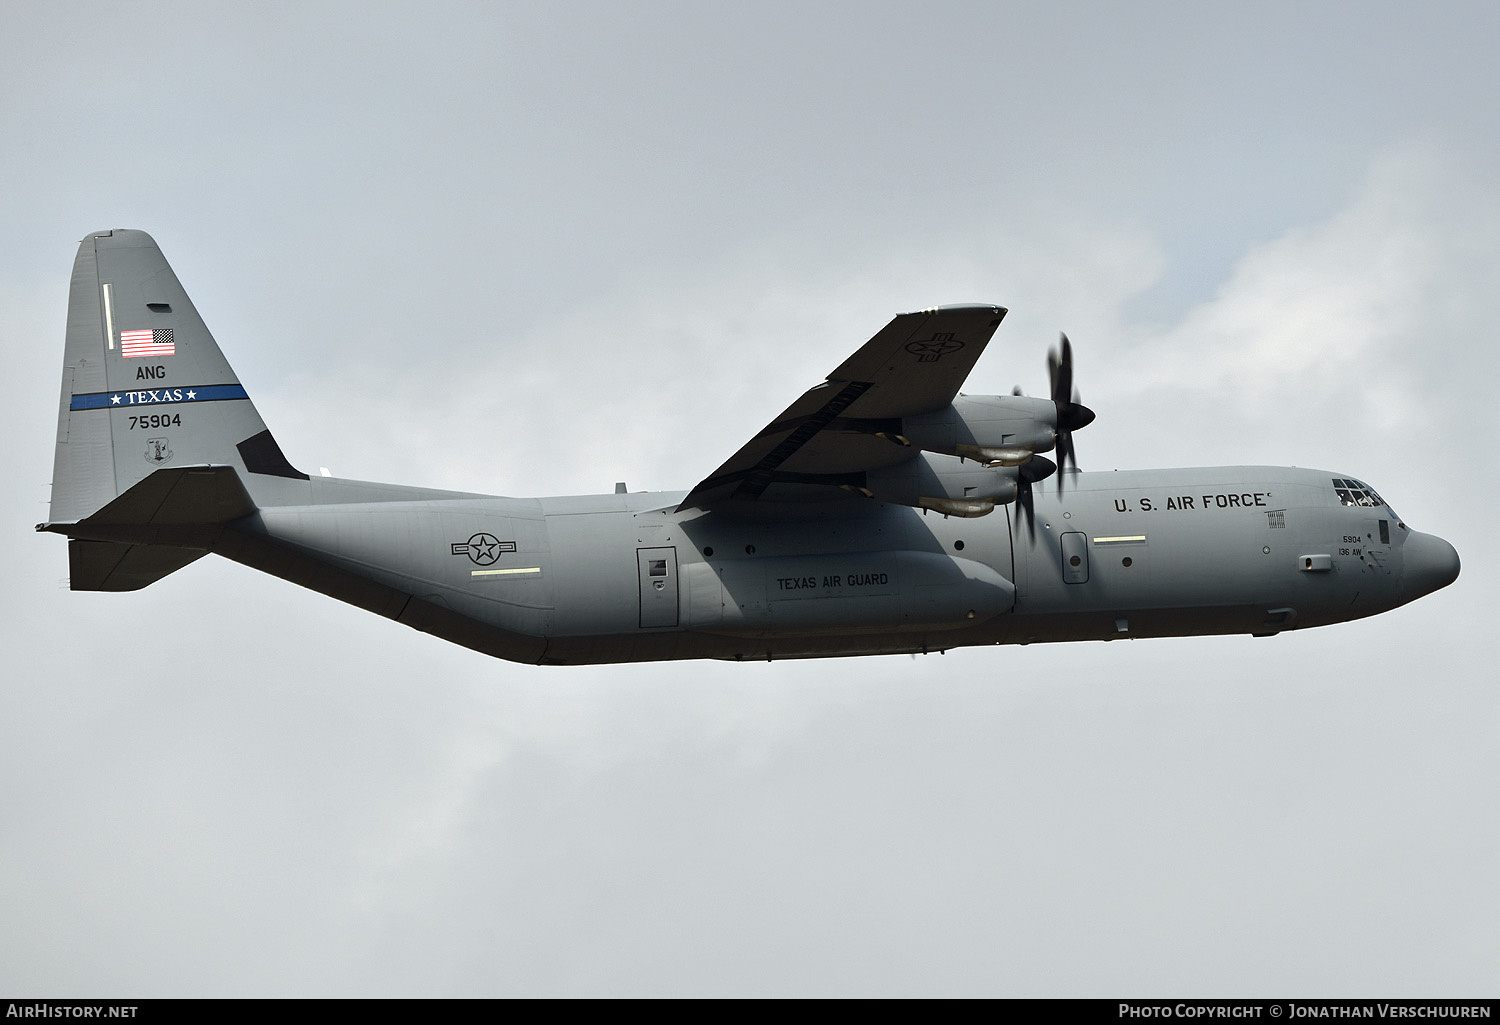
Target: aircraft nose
[(1428, 563)]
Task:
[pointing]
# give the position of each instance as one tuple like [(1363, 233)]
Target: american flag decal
[(155, 342)]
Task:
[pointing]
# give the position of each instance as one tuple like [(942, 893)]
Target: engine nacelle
[(945, 484), (1000, 429)]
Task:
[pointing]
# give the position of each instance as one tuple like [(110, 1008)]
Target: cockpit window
[(1353, 492)]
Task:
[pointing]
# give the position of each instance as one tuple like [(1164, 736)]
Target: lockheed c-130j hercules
[(882, 512)]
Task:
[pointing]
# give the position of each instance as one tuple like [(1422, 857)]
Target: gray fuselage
[(624, 577)]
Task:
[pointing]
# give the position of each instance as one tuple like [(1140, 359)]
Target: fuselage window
[(1356, 493)]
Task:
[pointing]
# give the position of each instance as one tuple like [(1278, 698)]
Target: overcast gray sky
[(539, 248)]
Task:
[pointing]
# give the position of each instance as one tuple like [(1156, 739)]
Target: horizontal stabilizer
[(114, 566), (161, 524), (180, 496)]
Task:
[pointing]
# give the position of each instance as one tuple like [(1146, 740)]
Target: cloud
[(1358, 318)]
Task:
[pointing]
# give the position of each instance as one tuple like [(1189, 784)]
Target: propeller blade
[(1072, 414), (1034, 469), (1060, 372), (1024, 509), (1065, 455)]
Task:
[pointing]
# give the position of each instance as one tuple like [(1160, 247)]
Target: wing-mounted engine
[(981, 450), (1003, 430), (890, 424), (952, 485), (1006, 430)]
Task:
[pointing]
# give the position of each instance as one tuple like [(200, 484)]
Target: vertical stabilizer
[(144, 385)]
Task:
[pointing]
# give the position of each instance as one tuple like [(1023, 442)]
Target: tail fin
[(144, 388)]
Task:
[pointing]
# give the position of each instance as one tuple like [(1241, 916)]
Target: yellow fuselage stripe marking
[(109, 315)]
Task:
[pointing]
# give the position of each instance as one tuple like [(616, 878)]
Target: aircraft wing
[(832, 435)]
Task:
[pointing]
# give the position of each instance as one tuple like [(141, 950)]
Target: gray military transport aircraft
[(882, 512)]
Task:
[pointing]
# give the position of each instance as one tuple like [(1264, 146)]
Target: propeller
[(1072, 414), (1034, 469)]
